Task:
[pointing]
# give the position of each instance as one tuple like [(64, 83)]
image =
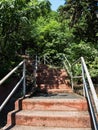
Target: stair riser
[(43, 86), (55, 90), (59, 91), (63, 106), (45, 128), (67, 122)]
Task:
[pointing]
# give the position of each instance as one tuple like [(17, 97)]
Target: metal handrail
[(46, 60), (76, 61), (66, 64), (35, 71), (68, 67), (85, 75), (67, 60), (90, 83), (16, 86), (86, 81), (89, 79), (10, 73)]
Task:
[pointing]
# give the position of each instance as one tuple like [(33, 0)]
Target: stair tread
[(18, 127), (53, 113), (60, 89), (63, 95), (54, 100)]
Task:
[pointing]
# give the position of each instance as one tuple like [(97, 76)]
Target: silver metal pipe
[(44, 59), (68, 68), (76, 61), (10, 95), (10, 73), (89, 100), (67, 61), (90, 84), (24, 79)]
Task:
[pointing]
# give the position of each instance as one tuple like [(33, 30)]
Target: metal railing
[(87, 86), (88, 82), (68, 68), (35, 66), (76, 64), (47, 60), (17, 85)]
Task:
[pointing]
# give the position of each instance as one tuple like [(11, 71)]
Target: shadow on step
[(48, 95), (10, 106), (11, 120), (52, 78)]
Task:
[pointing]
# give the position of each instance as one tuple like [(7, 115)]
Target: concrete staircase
[(53, 80), (48, 114), (55, 107)]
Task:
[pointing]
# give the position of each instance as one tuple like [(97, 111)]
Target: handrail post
[(72, 80), (36, 62), (83, 78), (72, 83), (24, 79), (44, 59), (67, 66), (35, 70)]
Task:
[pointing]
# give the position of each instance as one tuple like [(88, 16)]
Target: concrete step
[(53, 104), (19, 127), (53, 80), (59, 90), (54, 86), (66, 119)]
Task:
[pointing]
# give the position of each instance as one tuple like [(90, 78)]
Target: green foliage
[(77, 70), (16, 24), (30, 26), (83, 20), (83, 24), (86, 50), (93, 67)]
